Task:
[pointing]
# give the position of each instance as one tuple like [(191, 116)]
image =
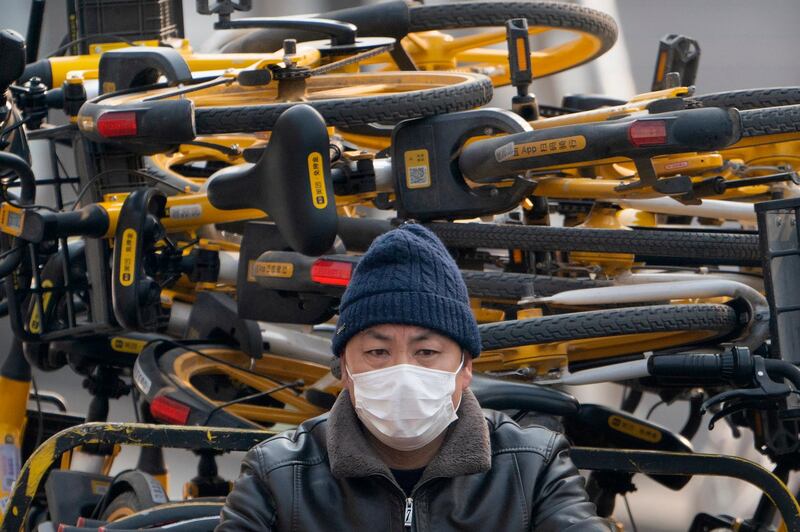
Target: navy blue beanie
[(408, 277)]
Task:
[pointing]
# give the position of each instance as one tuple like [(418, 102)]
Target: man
[(406, 445)]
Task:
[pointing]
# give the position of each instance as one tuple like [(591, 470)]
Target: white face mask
[(405, 406)]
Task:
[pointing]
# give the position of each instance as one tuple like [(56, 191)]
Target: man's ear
[(466, 371), (341, 374)]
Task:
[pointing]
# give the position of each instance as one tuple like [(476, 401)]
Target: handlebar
[(27, 180), (339, 32), (41, 225), (734, 366), (385, 19)]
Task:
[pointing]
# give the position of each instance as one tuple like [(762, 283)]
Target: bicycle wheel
[(717, 319), (691, 246), (123, 505), (219, 386), (515, 286), (593, 33), (351, 100), (342, 100), (603, 334), (751, 98), (771, 121)]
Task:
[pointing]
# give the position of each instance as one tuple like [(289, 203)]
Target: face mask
[(405, 406)]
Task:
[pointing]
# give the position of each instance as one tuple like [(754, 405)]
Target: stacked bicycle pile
[(222, 202)]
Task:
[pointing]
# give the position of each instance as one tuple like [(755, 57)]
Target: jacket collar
[(465, 450)]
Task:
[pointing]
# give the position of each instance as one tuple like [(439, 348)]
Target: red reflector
[(648, 132), (169, 410), (331, 272), (117, 124)]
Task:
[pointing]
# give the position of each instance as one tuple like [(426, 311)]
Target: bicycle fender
[(214, 317), (430, 186), (689, 130), (258, 302), (138, 66), (136, 295)]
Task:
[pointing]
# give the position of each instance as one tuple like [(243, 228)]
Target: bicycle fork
[(15, 384)]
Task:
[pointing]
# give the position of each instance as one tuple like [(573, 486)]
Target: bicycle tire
[(460, 15), (751, 98), (558, 15), (124, 505), (771, 121), (160, 366), (515, 286), (608, 322), (693, 246), (473, 92)]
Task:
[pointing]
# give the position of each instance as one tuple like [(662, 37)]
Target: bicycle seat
[(291, 182), (501, 394), (12, 58)]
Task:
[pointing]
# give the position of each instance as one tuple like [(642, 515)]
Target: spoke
[(545, 61), (486, 38), (492, 55)]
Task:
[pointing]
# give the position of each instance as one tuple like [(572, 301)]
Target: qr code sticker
[(418, 176)]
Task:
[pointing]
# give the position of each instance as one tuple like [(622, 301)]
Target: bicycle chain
[(305, 72), (352, 59)]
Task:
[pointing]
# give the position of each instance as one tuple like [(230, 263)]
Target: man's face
[(382, 346)]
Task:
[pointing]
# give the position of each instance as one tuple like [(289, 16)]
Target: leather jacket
[(489, 474)]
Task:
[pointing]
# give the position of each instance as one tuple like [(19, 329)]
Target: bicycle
[(424, 46)]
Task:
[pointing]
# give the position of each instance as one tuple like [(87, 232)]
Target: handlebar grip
[(339, 32), (691, 366), (734, 365), (689, 130), (40, 225), (358, 233)]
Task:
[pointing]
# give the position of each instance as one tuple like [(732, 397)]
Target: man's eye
[(427, 352), (378, 352)]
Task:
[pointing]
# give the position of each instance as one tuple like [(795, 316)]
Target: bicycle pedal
[(677, 54)]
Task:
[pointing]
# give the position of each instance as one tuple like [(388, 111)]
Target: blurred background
[(744, 44)]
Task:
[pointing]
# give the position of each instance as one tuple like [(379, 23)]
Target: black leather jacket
[(490, 474)]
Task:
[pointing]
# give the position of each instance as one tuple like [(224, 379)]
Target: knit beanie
[(408, 277)]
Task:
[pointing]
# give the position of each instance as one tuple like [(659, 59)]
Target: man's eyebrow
[(423, 336), (376, 335)]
